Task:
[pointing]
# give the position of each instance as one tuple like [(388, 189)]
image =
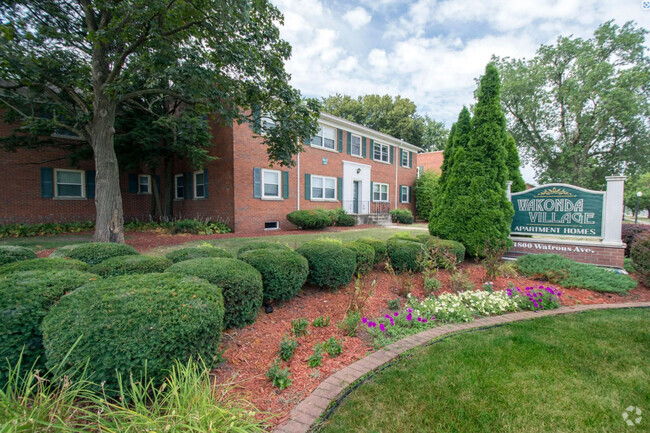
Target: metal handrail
[(360, 207)]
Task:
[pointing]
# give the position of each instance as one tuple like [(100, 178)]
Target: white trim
[(272, 197), (374, 184), (401, 160), (380, 152), (558, 184), (176, 176), (195, 196), (408, 194), (149, 188), (311, 188), (322, 137), (83, 184), (360, 155), (277, 225)]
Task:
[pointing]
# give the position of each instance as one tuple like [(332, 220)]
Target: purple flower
[(410, 311), (364, 320), (387, 316), (396, 314), (382, 327), (424, 320), (409, 317)]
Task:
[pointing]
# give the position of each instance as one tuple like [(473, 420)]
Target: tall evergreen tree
[(474, 209), (513, 163)]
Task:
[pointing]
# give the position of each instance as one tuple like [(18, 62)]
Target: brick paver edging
[(305, 414)]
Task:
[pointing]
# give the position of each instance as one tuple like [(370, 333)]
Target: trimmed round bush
[(310, 219), (402, 216), (330, 264), (345, 220), (241, 284), (14, 253), (284, 272), (443, 250), (44, 264), (262, 246), (127, 321), (365, 255), (424, 238), (190, 253), (25, 299), (94, 252), (403, 237), (640, 255), (379, 247), (629, 233), (406, 255), (124, 265)]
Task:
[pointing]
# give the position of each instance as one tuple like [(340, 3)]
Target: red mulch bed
[(249, 351)]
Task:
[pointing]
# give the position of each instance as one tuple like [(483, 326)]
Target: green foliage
[(346, 220), (127, 322), (241, 284), (299, 327), (567, 273), (190, 253), (278, 377), (25, 299), (445, 252), (402, 216), (393, 304), (350, 323), (330, 265), (628, 265), (284, 271), (333, 347), (287, 347), (406, 255), (569, 140), (310, 219), (379, 247), (93, 252), (123, 265), (640, 255), (426, 189), (472, 206), (43, 264), (43, 229), (431, 285), (321, 322), (197, 227), (514, 164), (263, 245), (435, 135), (630, 232), (460, 282), (14, 253), (635, 185), (316, 359), (365, 256)]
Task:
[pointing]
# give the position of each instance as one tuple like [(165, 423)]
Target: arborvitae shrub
[(284, 272), (94, 252), (330, 264), (262, 246), (514, 163), (365, 255), (426, 189), (14, 253), (190, 253), (640, 255), (43, 264), (130, 322), (379, 246), (310, 219), (241, 284), (124, 265), (406, 255), (25, 299)]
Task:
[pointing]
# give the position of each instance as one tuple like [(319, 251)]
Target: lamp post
[(636, 213)]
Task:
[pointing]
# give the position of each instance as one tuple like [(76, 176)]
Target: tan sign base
[(597, 253)]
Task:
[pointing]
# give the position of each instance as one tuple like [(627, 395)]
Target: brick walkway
[(310, 409)]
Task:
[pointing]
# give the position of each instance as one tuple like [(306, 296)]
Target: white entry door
[(356, 188)]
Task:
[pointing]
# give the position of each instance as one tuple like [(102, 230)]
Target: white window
[(420, 170), (380, 192), (70, 183), (355, 145), (270, 184), (405, 158), (380, 152), (266, 123), (179, 186), (199, 184), (144, 184), (325, 137), (405, 196), (323, 188)]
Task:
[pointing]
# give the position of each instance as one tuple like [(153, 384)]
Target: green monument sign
[(558, 210)]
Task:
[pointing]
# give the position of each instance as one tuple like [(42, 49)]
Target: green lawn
[(574, 373), (294, 240)]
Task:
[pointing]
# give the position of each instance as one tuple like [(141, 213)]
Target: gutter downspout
[(298, 184), (397, 163)]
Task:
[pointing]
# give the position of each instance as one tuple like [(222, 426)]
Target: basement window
[(271, 225)]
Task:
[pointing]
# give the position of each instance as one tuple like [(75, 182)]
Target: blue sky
[(430, 51)]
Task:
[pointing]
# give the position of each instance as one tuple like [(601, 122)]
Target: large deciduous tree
[(75, 65), (435, 135), (633, 187), (579, 109)]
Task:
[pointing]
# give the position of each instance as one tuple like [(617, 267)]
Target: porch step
[(379, 219)]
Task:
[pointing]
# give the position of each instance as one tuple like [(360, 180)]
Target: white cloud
[(348, 64), (378, 59), (357, 17)]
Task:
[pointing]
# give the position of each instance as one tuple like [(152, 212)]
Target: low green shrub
[(198, 227), (330, 265), (431, 285), (287, 347), (263, 245), (333, 347), (424, 238), (629, 233), (321, 322), (350, 323), (405, 255), (402, 216), (316, 358), (310, 219), (93, 252), (299, 327), (241, 284), (25, 299), (640, 255), (567, 273), (123, 265), (123, 324), (284, 272), (393, 304), (379, 246), (190, 253), (341, 218), (460, 282), (279, 377), (43, 229), (15, 253), (43, 264), (403, 236), (365, 256), (444, 251)]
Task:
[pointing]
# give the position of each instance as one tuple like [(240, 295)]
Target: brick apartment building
[(345, 165), (430, 161)]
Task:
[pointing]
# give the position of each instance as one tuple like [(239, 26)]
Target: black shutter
[(285, 184), (349, 143), (205, 183), (340, 141), (372, 149), (257, 119), (257, 183), (372, 191), (189, 191), (133, 183), (47, 182), (90, 183), (364, 147), (340, 188), (391, 153), (307, 186)]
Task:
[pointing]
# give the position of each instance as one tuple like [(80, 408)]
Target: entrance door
[(356, 192)]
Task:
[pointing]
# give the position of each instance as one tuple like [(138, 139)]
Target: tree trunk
[(156, 206), (168, 178)]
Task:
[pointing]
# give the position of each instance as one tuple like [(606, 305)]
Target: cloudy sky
[(428, 50)]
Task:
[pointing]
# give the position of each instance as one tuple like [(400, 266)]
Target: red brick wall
[(431, 161)]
